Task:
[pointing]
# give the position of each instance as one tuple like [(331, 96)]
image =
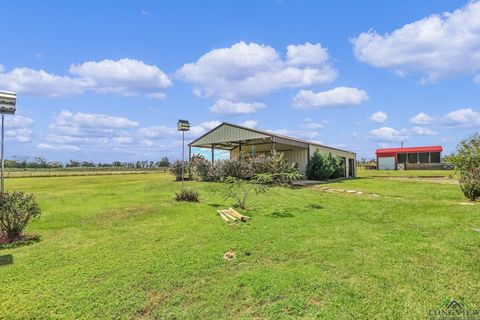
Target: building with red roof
[(409, 158)]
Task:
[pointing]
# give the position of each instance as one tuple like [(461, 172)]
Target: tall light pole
[(8, 102), (183, 125)]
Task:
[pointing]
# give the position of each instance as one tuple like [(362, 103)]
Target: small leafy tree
[(470, 183), (176, 169), (467, 163), (16, 210), (165, 162), (468, 154), (239, 189)]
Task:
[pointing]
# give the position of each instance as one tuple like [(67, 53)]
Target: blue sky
[(108, 80)]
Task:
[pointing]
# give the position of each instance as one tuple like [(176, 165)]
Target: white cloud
[(309, 124), (387, 134), (125, 77), (123, 140), (337, 97), (18, 128), (88, 132), (462, 118), (422, 131), (248, 71), (250, 124), (158, 132), (18, 121), (210, 124), (45, 146), (85, 124), (162, 132), (421, 118), (19, 134), (305, 134), (306, 54), (41, 83), (438, 46), (379, 117), (223, 106)]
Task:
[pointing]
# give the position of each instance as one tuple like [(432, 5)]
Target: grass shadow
[(315, 206), (215, 205), (6, 260), (280, 213), (24, 241)]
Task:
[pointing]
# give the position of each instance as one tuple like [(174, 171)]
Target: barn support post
[(213, 153), (189, 160)]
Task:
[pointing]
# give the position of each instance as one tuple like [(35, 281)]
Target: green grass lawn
[(406, 173), (120, 247)]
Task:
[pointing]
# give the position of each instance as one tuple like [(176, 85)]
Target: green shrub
[(470, 183), (245, 168), (202, 169), (16, 210), (337, 164), (238, 168), (324, 166), (467, 164), (467, 155), (176, 169), (187, 195)]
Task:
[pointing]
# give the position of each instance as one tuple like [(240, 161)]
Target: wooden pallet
[(230, 215)]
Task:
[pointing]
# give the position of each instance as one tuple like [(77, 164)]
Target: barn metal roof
[(275, 137), (390, 151)]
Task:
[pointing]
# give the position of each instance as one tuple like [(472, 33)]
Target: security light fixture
[(8, 101)]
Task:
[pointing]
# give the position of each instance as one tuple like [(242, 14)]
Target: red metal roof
[(391, 151)]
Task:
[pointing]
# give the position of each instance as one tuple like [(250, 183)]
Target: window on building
[(423, 157), (435, 157), (413, 158), (402, 158)]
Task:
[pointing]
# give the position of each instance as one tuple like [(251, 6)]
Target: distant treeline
[(41, 163)]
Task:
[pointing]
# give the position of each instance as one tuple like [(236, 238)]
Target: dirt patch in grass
[(153, 300), (109, 217), (349, 191)]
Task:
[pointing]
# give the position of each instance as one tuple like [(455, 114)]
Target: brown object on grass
[(224, 217), (238, 215), (229, 255), (230, 214)]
